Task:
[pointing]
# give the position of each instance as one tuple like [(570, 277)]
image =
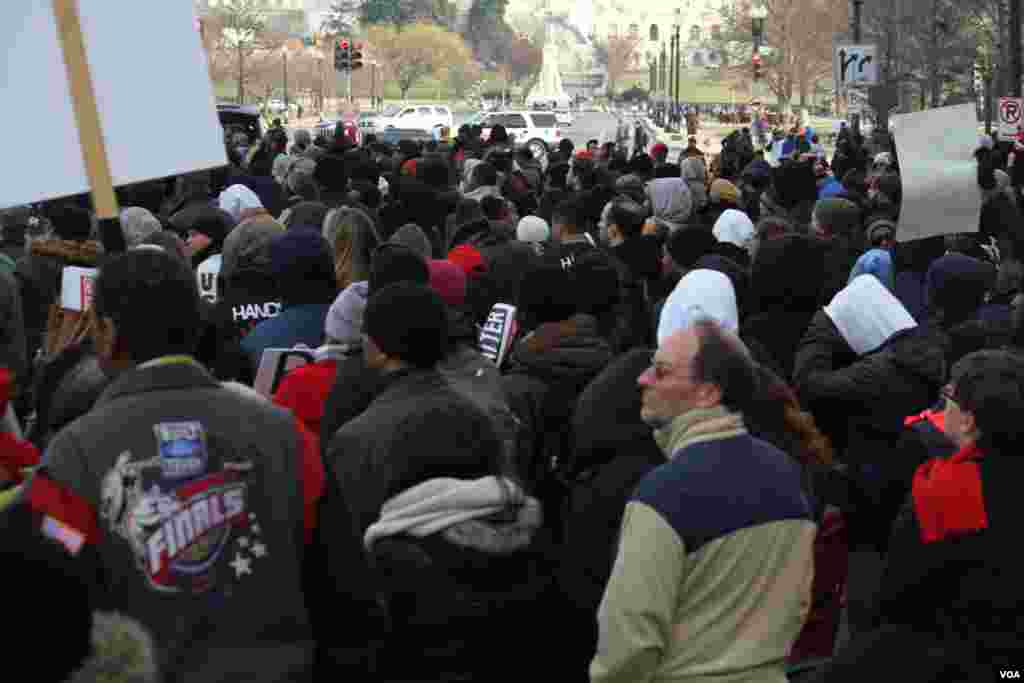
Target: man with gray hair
[(714, 568)]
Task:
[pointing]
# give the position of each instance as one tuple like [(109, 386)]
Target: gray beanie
[(138, 225), (247, 247), (344, 322), (412, 236)]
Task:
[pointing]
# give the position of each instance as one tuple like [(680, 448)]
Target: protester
[(39, 270), (138, 224), (301, 265), (161, 399), (666, 567)]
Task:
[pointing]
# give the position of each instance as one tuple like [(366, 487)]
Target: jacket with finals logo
[(713, 576), (196, 500)]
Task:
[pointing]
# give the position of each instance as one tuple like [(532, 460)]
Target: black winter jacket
[(861, 405)]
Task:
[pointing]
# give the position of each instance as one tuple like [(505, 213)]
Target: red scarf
[(948, 497)]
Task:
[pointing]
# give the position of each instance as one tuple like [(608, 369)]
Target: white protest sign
[(150, 85), (938, 171), (1010, 112), (76, 288)]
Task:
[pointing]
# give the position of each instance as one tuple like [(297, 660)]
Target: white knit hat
[(237, 198), (533, 229)]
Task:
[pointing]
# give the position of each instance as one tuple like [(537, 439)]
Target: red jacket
[(304, 391)]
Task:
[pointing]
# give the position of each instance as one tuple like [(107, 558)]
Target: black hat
[(686, 246), (71, 223), (408, 321), (393, 262), (547, 295), (213, 223)]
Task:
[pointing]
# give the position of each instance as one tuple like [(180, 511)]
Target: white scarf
[(867, 314), (437, 504)]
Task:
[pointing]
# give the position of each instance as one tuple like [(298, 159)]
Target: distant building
[(652, 21)]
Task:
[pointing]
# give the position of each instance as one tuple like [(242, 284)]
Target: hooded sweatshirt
[(700, 295), (671, 202), (695, 175), (867, 314)]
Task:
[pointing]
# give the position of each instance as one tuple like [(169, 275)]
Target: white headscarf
[(734, 227), (671, 202), (700, 295), (237, 198), (867, 314)]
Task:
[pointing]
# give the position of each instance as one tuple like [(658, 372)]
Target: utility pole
[(855, 118), (284, 54), (679, 64), (1016, 69)]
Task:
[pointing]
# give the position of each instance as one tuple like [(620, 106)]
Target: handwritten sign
[(77, 287)]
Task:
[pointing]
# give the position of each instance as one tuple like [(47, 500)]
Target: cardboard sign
[(497, 333), (938, 170), (150, 90), (76, 287)]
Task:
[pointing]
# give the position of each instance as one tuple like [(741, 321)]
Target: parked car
[(537, 130), (564, 117), (420, 117)]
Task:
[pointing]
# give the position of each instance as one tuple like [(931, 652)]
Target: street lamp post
[(672, 62), (284, 62), (679, 61), (757, 16)]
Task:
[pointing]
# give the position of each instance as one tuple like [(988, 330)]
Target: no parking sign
[(1011, 110)]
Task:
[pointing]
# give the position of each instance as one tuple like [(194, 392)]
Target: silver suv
[(537, 130)]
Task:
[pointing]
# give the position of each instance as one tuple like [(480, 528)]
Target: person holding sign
[(40, 272)]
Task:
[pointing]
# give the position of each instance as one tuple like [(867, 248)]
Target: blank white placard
[(153, 92)]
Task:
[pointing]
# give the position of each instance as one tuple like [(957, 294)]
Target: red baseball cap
[(659, 148)]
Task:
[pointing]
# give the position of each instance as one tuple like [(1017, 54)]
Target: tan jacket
[(713, 576)]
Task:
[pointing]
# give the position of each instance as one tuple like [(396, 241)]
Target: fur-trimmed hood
[(72, 252), (123, 652)]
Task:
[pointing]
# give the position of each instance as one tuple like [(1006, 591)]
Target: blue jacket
[(302, 324)]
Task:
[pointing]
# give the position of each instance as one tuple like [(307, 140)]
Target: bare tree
[(241, 24), (619, 54)]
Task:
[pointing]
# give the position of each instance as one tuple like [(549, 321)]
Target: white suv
[(420, 116), (537, 130)]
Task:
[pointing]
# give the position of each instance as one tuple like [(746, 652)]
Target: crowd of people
[(588, 417)]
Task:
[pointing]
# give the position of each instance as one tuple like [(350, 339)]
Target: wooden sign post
[(87, 115)]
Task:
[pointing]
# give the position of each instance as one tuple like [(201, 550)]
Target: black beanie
[(547, 295), (393, 262), (686, 246), (408, 321), (71, 223), (213, 223)]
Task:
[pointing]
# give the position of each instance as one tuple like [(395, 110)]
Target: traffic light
[(342, 56), (356, 57), (757, 66)]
